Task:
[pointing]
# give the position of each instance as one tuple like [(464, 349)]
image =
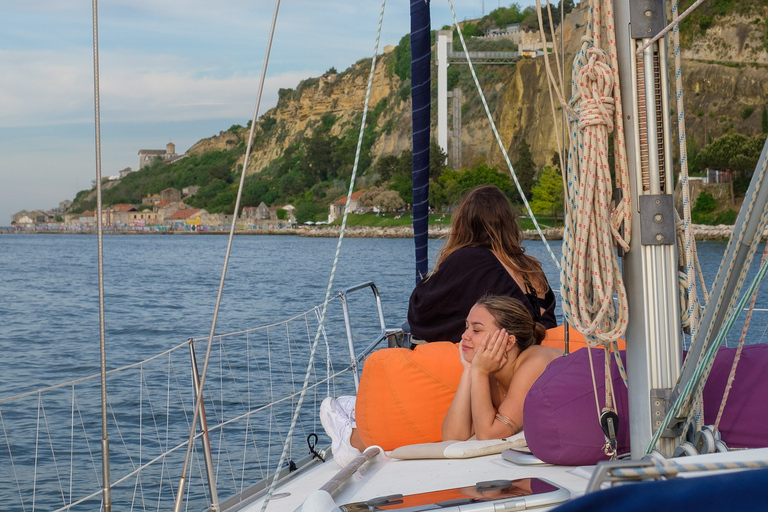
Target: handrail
[(208, 456), (347, 323)]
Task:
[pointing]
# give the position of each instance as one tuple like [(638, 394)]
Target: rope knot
[(596, 91)]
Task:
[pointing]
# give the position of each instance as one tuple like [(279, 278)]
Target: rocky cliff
[(725, 72)]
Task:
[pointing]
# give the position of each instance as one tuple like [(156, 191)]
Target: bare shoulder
[(539, 355)]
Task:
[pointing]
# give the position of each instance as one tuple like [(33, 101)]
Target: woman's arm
[(485, 362), (457, 424)]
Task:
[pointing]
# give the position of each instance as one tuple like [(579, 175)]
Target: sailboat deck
[(383, 476)]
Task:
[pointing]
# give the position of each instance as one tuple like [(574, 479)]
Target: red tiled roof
[(184, 214), (355, 195), (164, 202), (123, 207)]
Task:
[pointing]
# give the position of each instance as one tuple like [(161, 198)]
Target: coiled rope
[(320, 327), (592, 277)]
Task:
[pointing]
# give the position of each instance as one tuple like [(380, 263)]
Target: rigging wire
[(320, 327), (498, 139), (695, 385), (740, 347), (106, 491), (199, 400)]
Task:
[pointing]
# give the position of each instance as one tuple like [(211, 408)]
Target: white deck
[(383, 476)]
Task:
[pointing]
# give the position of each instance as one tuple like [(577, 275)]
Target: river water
[(161, 290)]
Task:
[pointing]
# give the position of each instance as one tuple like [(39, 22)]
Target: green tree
[(402, 61), (320, 159), (456, 183), (437, 159), (764, 121), (703, 207), (402, 184), (387, 166), (309, 211), (547, 194), (734, 152), (525, 169)]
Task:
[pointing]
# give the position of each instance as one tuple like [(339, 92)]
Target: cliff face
[(718, 95), (299, 111)]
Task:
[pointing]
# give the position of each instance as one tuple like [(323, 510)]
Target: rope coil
[(594, 297)]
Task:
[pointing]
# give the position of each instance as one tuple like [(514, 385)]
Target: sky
[(170, 71)]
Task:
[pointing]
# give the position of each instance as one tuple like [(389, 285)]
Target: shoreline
[(701, 232)]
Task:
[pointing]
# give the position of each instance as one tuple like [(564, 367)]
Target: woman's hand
[(489, 357)]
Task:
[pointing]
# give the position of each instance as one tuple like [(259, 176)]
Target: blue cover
[(421, 58), (744, 491)]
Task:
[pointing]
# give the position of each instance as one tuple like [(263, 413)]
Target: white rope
[(498, 139), (591, 276), (320, 327), (689, 304)]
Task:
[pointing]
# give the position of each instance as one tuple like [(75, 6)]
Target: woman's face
[(479, 323)]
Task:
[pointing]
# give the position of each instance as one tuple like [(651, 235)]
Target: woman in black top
[(482, 256)]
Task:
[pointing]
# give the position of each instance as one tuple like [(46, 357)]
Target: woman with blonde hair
[(482, 256), (502, 357)]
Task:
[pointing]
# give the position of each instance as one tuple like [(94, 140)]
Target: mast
[(654, 338), (421, 54)]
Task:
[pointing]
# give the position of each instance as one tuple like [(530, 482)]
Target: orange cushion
[(405, 394), (555, 339)]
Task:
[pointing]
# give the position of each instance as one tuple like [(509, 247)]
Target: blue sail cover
[(421, 56), (743, 491)]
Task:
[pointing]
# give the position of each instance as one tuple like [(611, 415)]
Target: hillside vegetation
[(304, 147)]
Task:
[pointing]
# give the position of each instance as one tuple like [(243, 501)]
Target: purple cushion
[(745, 417), (561, 422), (560, 416)]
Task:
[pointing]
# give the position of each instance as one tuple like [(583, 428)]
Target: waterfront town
[(165, 211)]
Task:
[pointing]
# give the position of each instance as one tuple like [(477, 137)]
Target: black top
[(440, 305)]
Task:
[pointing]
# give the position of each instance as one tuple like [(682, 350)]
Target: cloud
[(175, 70), (49, 88)]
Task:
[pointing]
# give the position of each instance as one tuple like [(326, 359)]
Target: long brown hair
[(485, 218), (511, 315)]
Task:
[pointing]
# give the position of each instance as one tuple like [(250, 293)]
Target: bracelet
[(508, 422)]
